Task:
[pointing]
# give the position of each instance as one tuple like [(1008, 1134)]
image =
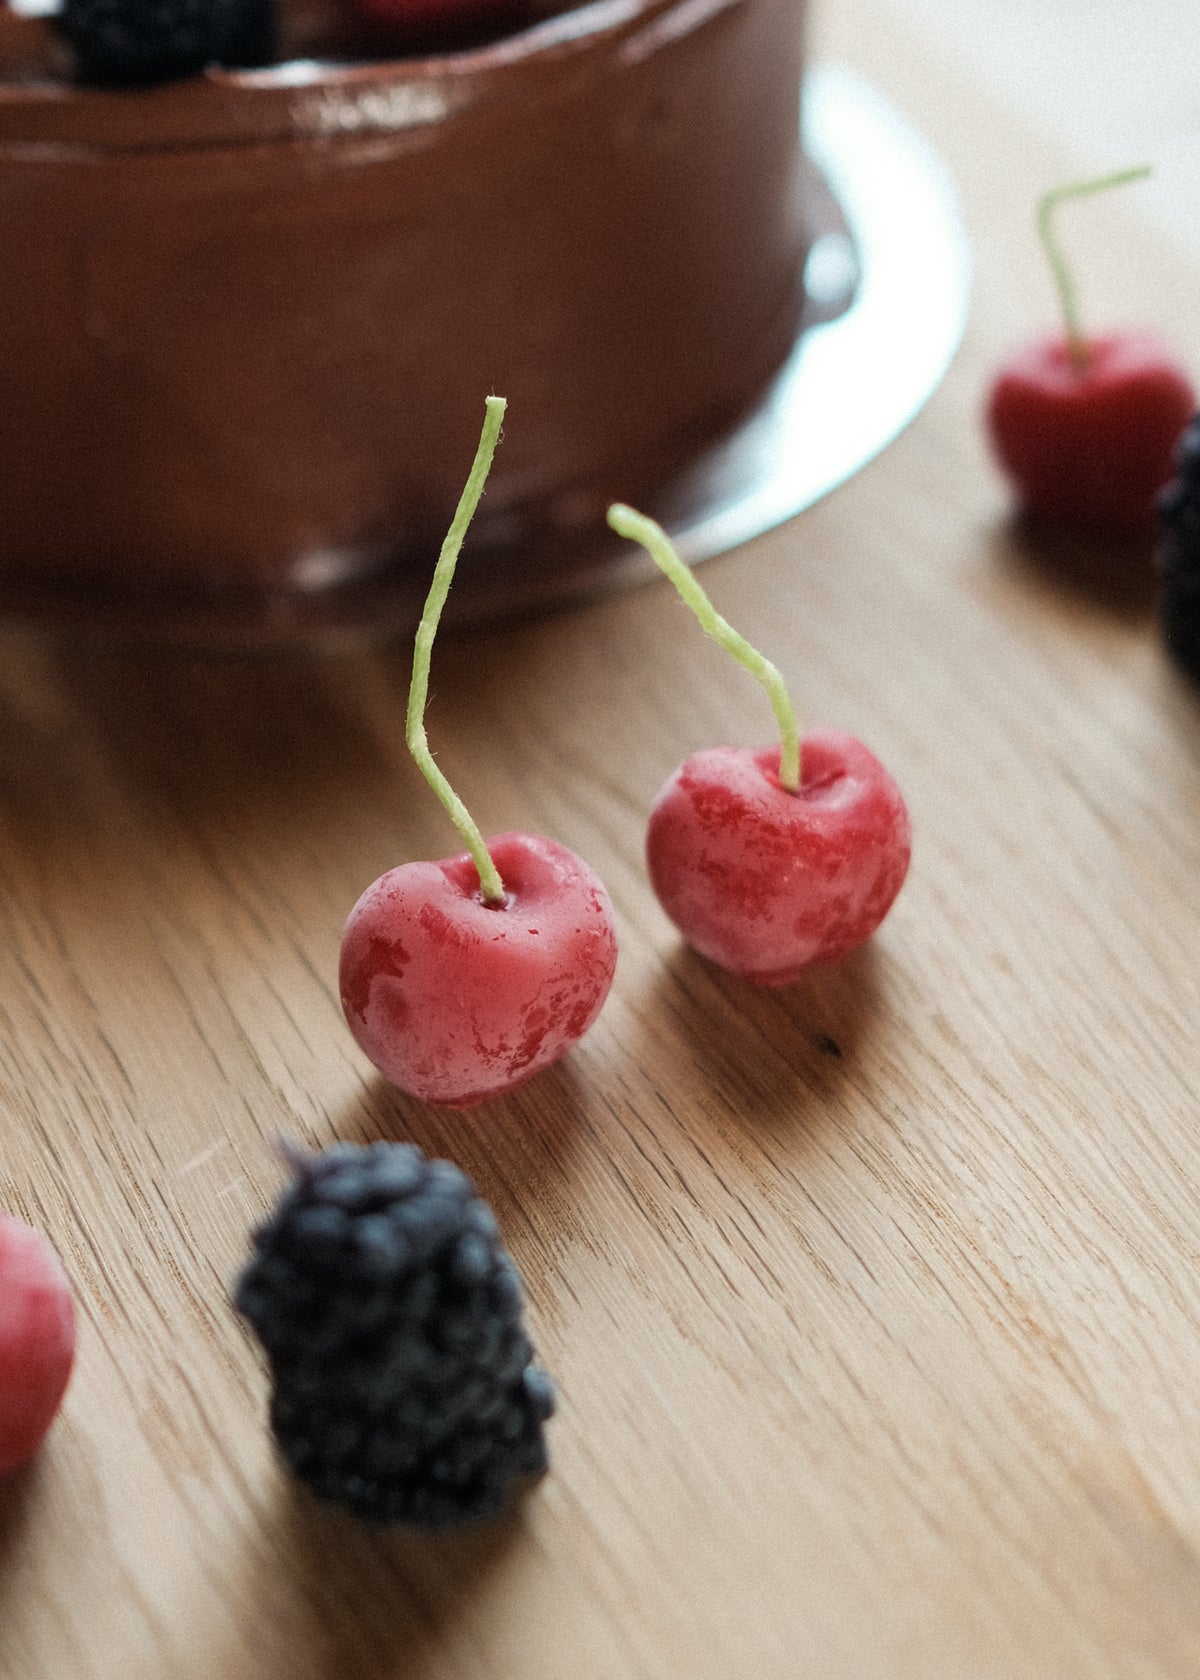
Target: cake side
[(256, 365)]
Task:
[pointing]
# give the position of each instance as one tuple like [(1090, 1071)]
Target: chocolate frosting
[(249, 319)]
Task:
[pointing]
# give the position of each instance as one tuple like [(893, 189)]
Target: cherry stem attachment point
[(491, 886), (1063, 278), (638, 528)]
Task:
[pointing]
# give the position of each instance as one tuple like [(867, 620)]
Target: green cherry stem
[(1063, 278), (638, 528), (491, 886)]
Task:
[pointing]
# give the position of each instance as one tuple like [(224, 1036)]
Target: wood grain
[(874, 1303)]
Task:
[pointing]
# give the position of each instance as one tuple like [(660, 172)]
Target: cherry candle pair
[(461, 979)]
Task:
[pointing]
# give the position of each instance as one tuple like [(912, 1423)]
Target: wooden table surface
[(874, 1303)]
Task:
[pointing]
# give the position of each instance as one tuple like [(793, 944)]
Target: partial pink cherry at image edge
[(37, 1340)]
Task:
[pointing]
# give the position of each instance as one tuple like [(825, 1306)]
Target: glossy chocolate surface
[(248, 320)]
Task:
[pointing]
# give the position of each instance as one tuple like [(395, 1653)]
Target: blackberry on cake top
[(1083, 426), (407, 14), (404, 1383), (127, 42)]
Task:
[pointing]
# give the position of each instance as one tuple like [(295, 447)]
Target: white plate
[(853, 383)]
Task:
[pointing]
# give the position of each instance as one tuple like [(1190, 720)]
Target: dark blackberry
[(1187, 454), (1179, 555), (404, 1382), (126, 42)]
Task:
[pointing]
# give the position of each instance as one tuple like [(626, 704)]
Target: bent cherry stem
[(640, 529), (1064, 281), (490, 884)]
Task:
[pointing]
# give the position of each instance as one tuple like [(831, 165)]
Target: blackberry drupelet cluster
[(1179, 554), (127, 42), (404, 1381)]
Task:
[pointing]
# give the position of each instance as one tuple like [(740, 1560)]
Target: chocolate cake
[(249, 317)]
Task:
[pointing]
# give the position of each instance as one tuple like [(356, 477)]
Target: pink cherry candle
[(463, 978), (768, 860), (37, 1340)]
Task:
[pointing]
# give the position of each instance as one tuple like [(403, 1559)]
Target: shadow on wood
[(766, 1052), (339, 1599), (1113, 573)]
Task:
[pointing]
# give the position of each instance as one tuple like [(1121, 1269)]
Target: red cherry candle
[(769, 860), (461, 979), (1085, 427), (37, 1340)]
